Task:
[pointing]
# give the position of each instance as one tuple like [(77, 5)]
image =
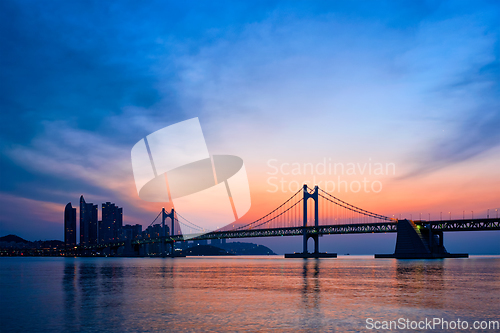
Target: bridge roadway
[(381, 227)]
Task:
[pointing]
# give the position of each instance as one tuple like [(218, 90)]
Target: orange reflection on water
[(243, 293)]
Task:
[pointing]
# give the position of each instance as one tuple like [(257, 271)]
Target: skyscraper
[(132, 231), (88, 223), (69, 225), (110, 228)]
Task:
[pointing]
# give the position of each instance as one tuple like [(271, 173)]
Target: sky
[(410, 84)]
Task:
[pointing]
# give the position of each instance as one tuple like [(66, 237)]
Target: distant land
[(15, 245), (14, 242), (231, 249), (13, 238)]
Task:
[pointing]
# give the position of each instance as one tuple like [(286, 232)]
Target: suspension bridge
[(310, 213)]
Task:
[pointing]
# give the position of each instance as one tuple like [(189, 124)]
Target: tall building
[(132, 231), (154, 231), (110, 228), (88, 223), (69, 225)]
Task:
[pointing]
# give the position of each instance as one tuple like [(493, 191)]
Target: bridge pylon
[(164, 216), (419, 242), (308, 232)]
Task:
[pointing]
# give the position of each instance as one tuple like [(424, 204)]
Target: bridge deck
[(383, 227), (463, 225)]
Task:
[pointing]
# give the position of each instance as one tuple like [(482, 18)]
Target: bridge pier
[(169, 244), (308, 234), (164, 243), (419, 242)]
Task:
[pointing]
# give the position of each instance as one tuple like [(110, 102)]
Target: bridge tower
[(306, 234), (164, 216), (310, 231)]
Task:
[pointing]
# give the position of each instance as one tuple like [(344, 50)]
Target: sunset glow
[(331, 84)]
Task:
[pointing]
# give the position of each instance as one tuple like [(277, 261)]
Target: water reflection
[(88, 291), (91, 289), (218, 294), (311, 283), (167, 273), (421, 283), (311, 295), (70, 293)]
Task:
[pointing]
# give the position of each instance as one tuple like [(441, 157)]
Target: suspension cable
[(263, 217), (193, 225), (258, 225), (352, 207), (155, 219)]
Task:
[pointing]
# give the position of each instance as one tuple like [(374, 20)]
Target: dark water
[(241, 294)]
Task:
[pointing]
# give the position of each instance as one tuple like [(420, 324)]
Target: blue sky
[(415, 83)]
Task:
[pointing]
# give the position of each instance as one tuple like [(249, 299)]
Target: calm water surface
[(240, 293)]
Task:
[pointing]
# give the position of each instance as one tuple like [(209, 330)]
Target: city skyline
[(94, 227), (276, 83), (252, 165)]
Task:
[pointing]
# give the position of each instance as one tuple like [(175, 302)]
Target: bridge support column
[(316, 243), (419, 242), (304, 219), (163, 244), (308, 232), (170, 244)]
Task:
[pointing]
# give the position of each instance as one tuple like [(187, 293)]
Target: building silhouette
[(132, 231), (69, 225), (110, 228), (88, 223)]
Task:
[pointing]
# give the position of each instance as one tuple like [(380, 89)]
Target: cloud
[(57, 66), (76, 157), (84, 81), (457, 66), (336, 78), (37, 219)]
